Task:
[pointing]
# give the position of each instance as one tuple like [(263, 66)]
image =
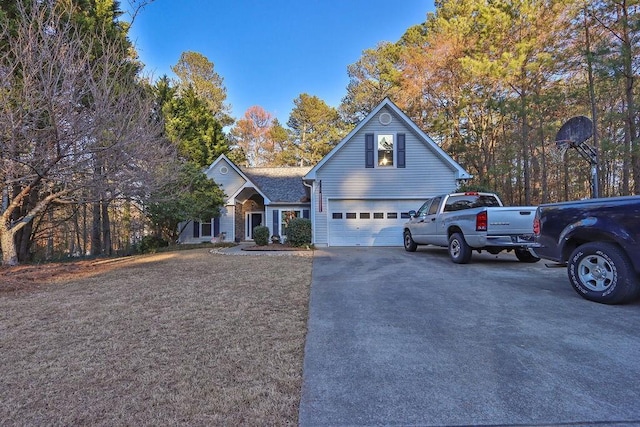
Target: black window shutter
[(196, 229), (368, 150), (401, 151), (305, 213), (276, 224), (216, 227)]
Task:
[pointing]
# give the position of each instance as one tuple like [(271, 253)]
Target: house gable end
[(231, 178), (225, 173), (368, 128)]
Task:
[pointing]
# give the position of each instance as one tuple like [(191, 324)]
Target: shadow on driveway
[(398, 338)]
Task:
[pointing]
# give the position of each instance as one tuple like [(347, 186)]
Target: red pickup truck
[(599, 242)]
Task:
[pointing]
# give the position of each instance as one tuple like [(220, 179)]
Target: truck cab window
[(423, 209), (433, 209)]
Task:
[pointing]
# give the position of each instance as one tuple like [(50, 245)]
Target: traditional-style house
[(359, 194)]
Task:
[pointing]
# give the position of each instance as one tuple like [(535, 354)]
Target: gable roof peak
[(386, 102)]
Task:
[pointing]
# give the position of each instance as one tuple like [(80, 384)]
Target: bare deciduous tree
[(74, 122)]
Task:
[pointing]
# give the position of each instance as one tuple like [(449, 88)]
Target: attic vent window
[(224, 170), (385, 118)]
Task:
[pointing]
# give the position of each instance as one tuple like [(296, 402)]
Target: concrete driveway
[(398, 338)]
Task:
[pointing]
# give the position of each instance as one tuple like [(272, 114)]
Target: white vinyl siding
[(344, 176), (227, 222), (230, 182)]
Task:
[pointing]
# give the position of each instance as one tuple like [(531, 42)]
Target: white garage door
[(368, 222)]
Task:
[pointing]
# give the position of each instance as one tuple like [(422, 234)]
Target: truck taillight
[(481, 221), (536, 226)]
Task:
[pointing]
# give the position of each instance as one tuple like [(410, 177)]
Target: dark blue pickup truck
[(599, 242)]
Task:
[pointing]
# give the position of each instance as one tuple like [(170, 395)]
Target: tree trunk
[(84, 230), (8, 245), (23, 236), (96, 245), (50, 236), (24, 242), (544, 197), (596, 184), (107, 246), (525, 150), (630, 128)]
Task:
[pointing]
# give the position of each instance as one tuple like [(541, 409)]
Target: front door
[(253, 219)]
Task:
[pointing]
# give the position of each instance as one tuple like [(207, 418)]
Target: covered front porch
[(249, 212)]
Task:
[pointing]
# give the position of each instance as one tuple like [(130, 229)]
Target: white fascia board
[(250, 184), (229, 162), (461, 173), (311, 175), (246, 184)]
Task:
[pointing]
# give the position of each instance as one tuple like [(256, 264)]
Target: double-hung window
[(208, 228)]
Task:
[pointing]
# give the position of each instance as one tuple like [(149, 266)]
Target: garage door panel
[(368, 222)]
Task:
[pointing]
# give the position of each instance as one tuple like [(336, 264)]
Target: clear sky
[(270, 51)]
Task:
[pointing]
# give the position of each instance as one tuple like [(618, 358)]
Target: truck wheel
[(459, 250), (601, 272), (409, 244), (524, 255)]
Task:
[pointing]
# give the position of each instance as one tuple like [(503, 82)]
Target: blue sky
[(270, 52)]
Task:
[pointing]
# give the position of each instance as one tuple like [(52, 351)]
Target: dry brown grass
[(184, 338)]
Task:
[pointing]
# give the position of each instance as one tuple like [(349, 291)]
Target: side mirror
[(412, 214)]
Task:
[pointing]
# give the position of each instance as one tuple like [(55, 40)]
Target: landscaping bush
[(150, 244), (261, 235), (299, 232)]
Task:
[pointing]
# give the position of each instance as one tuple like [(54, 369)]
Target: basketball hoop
[(561, 150), (574, 134), (575, 131)]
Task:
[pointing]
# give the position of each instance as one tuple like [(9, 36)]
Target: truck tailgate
[(517, 220)]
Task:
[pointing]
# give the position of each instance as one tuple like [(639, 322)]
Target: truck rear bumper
[(509, 241)]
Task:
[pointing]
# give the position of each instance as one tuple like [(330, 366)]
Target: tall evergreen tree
[(195, 72), (316, 128), (191, 126), (372, 78)]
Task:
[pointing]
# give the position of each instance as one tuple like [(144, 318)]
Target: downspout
[(312, 210)]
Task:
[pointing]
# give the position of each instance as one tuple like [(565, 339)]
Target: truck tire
[(459, 250), (524, 255), (409, 244), (602, 272)]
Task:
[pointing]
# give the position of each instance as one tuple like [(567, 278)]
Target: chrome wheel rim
[(454, 248), (596, 273)]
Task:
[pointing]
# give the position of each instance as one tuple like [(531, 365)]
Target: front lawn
[(192, 338)]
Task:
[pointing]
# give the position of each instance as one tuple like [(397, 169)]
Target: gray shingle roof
[(280, 185)]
